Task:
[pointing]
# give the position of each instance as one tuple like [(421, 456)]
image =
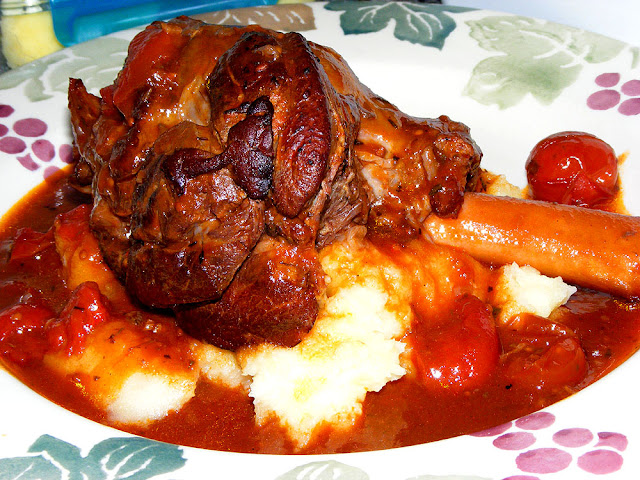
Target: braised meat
[(272, 298), (221, 160), (189, 234), (412, 166)]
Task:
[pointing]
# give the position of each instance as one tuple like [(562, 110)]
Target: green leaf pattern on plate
[(533, 57), (327, 470), (28, 468), (113, 459), (31, 75), (44, 77), (112, 52), (287, 17), (635, 56), (427, 25), (134, 458)]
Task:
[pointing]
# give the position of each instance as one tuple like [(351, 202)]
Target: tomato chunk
[(29, 244), (22, 332), (81, 257), (87, 308), (573, 168), (460, 354), (543, 354)]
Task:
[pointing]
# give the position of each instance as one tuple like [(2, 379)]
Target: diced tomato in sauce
[(461, 354), (543, 353), (22, 332), (84, 312)]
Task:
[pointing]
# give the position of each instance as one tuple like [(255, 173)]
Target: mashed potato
[(353, 348), (138, 379), (525, 290), (144, 397), (133, 378), (219, 366), (499, 186)]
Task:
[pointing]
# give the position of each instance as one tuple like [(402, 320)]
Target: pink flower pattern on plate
[(24, 138), (625, 96), (602, 456)]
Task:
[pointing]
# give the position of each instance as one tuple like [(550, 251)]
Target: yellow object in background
[(26, 36)]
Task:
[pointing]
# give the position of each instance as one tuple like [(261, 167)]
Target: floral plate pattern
[(513, 80)]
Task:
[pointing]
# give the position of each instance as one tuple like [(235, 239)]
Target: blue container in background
[(76, 21)]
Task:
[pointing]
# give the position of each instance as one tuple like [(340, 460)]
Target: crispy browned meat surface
[(222, 158)]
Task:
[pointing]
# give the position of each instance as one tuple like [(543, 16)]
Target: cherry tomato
[(543, 354), (573, 168), (460, 354)]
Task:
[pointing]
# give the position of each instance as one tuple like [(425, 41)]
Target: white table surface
[(618, 19)]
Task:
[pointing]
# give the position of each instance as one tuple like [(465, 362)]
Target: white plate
[(513, 80)]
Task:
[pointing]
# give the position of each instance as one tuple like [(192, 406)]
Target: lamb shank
[(222, 159)]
